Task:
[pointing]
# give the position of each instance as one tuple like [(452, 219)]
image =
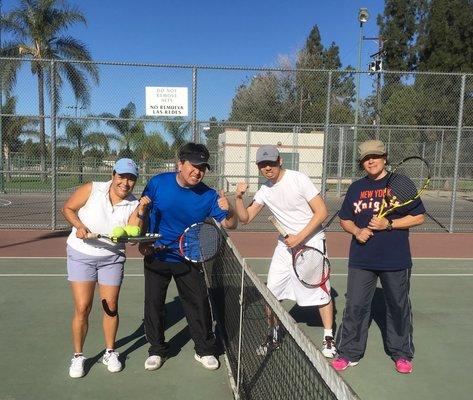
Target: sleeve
[(307, 187), (149, 189), (346, 210), (215, 211), (259, 196)]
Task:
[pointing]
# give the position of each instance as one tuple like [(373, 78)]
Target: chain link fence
[(52, 143)]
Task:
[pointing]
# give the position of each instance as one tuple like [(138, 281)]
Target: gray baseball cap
[(268, 152)]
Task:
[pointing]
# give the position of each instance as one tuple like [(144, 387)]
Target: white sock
[(328, 332)]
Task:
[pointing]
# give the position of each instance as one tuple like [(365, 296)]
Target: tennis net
[(293, 368)]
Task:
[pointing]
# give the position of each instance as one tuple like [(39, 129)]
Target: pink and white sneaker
[(341, 364), (403, 366)]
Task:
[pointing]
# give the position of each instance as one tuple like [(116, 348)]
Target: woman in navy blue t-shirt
[(379, 249)]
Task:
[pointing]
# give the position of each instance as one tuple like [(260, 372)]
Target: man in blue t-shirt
[(178, 200), (379, 249)]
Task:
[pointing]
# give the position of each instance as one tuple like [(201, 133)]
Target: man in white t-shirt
[(298, 206)]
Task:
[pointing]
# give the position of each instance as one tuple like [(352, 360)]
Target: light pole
[(363, 16)]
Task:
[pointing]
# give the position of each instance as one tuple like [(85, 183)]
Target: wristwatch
[(390, 225)]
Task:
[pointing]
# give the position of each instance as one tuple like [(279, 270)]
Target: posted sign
[(166, 101)]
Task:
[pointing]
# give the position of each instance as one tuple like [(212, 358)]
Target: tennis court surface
[(36, 307)]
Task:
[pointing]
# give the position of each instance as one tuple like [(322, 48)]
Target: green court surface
[(35, 313), (36, 307), (442, 300)]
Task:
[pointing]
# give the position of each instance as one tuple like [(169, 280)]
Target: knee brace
[(107, 310)]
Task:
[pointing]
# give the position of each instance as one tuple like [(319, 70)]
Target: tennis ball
[(132, 230), (118, 231)]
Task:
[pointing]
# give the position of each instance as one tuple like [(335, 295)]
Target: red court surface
[(43, 243)]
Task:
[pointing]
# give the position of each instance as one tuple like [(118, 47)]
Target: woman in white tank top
[(99, 207)]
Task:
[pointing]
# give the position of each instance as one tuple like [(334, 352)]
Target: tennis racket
[(148, 238), (405, 183), (199, 243), (311, 266)]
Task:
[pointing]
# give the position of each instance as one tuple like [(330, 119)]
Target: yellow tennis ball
[(118, 231), (132, 230)]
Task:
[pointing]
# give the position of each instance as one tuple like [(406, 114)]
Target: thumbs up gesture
[(223, 202)]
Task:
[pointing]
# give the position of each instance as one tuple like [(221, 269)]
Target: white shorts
[(283, 282)]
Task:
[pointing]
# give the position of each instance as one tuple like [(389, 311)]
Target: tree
[(398, 28), (179, 130), (81, 138), (448, 42), (258, 101), (12, 128), (313, 85), (128, 129), (150, 149), (38, 28)]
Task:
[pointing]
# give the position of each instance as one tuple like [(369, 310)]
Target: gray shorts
[(106, 270)]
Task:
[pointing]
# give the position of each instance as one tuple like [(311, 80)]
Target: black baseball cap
[(195, 153)]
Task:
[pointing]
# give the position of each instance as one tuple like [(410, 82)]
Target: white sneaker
[(209, 362), (76, 370), (110, 359), (153, 362), (328, 347)]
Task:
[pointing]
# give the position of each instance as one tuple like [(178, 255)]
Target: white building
[(237, 154)]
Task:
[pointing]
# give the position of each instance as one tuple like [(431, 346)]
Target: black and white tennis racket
[(148, 238), (199, 243), (311, 266), (406, 183)]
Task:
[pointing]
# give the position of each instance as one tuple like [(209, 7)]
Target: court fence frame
[(439, 129)]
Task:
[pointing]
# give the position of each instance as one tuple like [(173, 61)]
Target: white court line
[(4, 203)]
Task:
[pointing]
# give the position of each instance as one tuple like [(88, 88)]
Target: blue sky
[(206, 32)]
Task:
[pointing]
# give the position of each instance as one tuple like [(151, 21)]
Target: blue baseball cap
[(126, 166)]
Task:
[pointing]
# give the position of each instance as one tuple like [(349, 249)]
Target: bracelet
[(141, 216)]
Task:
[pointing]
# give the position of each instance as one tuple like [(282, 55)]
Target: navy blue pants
[(194, 297), (353, 332)]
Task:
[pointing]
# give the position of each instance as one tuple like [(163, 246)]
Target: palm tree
[(12, 128), (179, 129), (128, 129), (78, 134), (38, 28)]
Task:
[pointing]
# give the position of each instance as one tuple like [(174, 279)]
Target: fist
[(241, 189), (146, 248), (145, 201)]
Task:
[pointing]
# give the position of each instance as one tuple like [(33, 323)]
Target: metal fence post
[(53, 146), (340, 160), (248, 153), (440, 160), (457, 152), (323, 188), (194, 105), (2, 185), (295, 141)]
